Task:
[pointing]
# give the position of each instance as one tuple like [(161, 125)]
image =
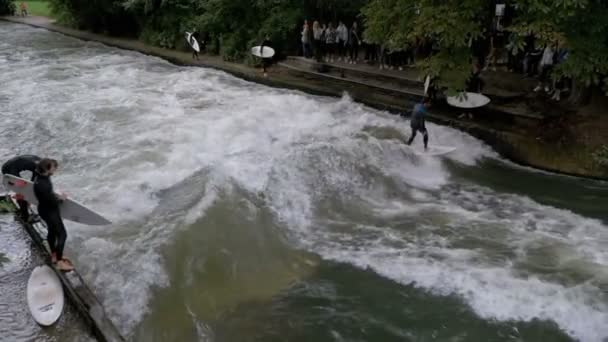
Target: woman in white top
[(342, 41), (546, 66)]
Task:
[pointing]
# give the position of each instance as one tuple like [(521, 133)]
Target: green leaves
[(7, 7), (580, 25)]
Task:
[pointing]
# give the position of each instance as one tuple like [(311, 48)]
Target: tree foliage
[(7, 7), (582, 25), (107, 16), (232, 26)]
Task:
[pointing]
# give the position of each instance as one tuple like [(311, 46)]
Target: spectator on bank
[(409, 55), (342, 41), (532, 56), (475, 83), (371, 52), (561, 84), (515, 59), (497, 45), (331, 36), (384, 57), (306, 40), (353, 43), (317, 33), (546, 66), (23, 9)]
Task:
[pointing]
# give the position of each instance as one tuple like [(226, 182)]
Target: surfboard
[(70, 209), (468, 100), (433, 150), (44, 295), (427, 83), (192, 42), (268, 52)]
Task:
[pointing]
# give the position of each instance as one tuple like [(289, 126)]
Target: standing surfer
[(48, 209), (417, 121), (194, 37), (266, 42), (14, 167)]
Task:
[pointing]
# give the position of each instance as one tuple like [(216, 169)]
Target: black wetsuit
[(417, 124), (193, 37), (14, 167), (48, 209), (265, 61)]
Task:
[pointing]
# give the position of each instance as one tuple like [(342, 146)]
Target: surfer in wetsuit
[(48, 209), (417, 121), (14, 167), (266, 42), (194, 37)]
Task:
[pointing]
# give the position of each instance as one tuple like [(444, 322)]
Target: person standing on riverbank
[(14, 167), (317, 35), (353, 44), (265, 61), (306, 34), (23, 9), (330, 42), (342, 41), (48, 209), (194, 37), (417, 121)]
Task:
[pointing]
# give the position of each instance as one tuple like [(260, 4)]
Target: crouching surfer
[(48, 209), (14, 167)]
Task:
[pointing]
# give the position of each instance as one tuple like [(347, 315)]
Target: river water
[(247, 213)]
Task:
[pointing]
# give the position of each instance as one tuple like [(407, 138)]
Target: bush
[(7, 7), (600, 157)]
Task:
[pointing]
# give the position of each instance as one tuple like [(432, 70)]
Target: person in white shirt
[(342, 40)]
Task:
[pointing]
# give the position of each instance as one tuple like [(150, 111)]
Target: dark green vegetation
[(232, 26), (581, 25), (7, 7)]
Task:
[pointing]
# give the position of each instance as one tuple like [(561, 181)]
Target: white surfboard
[(433, 150), (468, 100), (70, 209), (268, 52), (45, 295), (192, 42), (427, 83)]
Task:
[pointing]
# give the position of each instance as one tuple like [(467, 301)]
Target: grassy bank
[(40, 8)]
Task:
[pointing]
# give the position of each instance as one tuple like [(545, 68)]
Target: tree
[(582, 25), (7, 7)]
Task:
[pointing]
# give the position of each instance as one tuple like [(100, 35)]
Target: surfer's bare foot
[(62, 265), (53, 258), (68, 261)]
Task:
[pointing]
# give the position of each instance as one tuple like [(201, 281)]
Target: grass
[(40, 8)]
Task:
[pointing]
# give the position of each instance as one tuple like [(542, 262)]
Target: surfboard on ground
[(433, 150), (70, 209), (267, 52), (45, 295), (468, 100), (192, 42)]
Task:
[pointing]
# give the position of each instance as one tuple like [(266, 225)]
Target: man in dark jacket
[(14, 167), (48, 209)]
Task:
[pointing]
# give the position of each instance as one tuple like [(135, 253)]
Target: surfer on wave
[(417, 121)]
